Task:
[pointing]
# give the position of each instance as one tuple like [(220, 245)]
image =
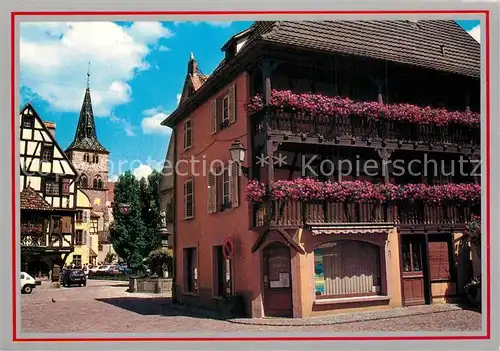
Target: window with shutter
[(213, 117), (188, 134), (78, 237), (234, 184), (188, 199), (439, 261), (212, 192), (232, 104), (225, 112), (226, 190)]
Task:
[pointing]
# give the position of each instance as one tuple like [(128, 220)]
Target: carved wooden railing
[(45, 241), (297, 122), (296, 213), (34, 240)]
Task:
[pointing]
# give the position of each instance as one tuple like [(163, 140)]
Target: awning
[(92, 253), (351, 228)]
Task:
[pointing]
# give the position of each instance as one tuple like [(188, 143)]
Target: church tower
[(91, 160)]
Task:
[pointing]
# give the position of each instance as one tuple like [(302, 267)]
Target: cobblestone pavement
[(105, 306)]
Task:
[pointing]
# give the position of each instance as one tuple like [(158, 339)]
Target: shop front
[(331, 269)]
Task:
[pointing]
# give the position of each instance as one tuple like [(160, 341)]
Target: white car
[(28, 283)]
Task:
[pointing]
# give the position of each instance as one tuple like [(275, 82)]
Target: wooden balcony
[(49, 242), (296, 213), (301, 123), (34, 240), (33, 228)]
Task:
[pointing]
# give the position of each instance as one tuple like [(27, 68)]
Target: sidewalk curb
[(320, 321)]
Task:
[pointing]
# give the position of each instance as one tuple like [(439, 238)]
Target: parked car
[(124, 269), (73, 277), (28, 283)]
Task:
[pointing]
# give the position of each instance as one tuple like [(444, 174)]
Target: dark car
[(124, 269), (73, 277)]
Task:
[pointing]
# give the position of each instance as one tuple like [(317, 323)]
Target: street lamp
[(238, 153)]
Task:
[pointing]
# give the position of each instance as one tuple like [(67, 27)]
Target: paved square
[(106, 307)]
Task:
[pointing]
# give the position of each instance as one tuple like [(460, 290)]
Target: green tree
[(150, 198), (127, 233)]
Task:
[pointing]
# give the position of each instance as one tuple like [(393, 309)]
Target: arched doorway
[(277, 271), (347, 268)]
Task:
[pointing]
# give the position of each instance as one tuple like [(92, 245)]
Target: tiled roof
[(85, 135), (436, 44), (31, 200)]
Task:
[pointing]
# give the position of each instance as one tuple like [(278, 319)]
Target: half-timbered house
[(291, 234), (47, 197)]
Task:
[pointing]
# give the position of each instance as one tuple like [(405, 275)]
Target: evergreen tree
[(128, 232)]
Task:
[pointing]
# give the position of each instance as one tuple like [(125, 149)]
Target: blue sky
[(137, 73)]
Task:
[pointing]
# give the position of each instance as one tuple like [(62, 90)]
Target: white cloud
[(113, 178), (219, 24), (475, 32), (142, 171), (163, 48), (178, 97), (151, 122), (128, 128), (54, 60)]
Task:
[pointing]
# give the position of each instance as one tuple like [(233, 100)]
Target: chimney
[(51, 126), (192, 65)]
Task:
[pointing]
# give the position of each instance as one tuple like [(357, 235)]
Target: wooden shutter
[(439, 260), (213, 117), (189, 199), (234, 185), (84, 237), (66, 224), (232, 104), (218, 113), (212, 193), (65, 186)]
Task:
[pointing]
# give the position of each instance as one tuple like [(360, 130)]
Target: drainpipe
[(174, 224)]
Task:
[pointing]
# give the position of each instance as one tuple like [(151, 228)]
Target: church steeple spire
[(88, 77), (85, 135)]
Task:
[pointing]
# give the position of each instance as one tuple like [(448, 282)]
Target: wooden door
[(412, 249), (277, 271)]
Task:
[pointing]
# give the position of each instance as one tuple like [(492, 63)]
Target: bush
[(160, 260)]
